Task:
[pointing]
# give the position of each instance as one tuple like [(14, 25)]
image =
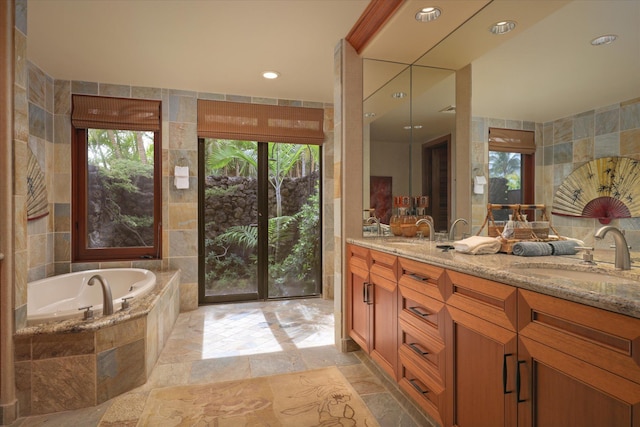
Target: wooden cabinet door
[(383, 302), (358, 289), (481, 347), (481, 372), (557, 389)]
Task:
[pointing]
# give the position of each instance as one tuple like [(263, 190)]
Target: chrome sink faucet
[(377, 221), (429, 224), (622, 257), (107, 299), (452, 230)]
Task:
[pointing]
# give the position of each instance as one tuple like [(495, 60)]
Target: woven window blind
[(99, 112), (512, 141), (258, 122)]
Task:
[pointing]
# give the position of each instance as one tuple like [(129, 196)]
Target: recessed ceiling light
[(270, 75), (607, 39), (398, 95), (428, 14), (502, 27)]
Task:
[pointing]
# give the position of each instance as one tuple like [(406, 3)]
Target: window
[(511, 168), (116, 163)]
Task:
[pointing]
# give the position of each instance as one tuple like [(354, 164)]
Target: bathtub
[(62, 297)]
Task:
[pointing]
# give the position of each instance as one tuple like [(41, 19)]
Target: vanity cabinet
[(358, 262), (578, 365), (372, 283), (474, 352), (421, 335), (481, 346)]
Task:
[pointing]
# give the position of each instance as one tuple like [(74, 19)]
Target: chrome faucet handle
[(587, 256), (88, 314), (125, 304)]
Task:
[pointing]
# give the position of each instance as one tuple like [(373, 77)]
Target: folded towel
[(478, 245), (564, 247), (532, 249)]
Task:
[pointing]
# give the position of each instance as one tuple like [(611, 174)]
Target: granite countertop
[(616, 291)]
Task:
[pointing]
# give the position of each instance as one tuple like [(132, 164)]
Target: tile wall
[(562, 146)]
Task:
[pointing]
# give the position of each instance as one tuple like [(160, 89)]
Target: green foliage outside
[(293, 240), (122, 158), (508, 166)]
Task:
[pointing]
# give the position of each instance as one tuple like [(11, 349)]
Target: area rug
[(318, 398)]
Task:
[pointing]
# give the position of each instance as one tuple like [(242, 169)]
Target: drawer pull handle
[(419, 311), (419, 278), (416, 384), (504, 374), (415, 347)]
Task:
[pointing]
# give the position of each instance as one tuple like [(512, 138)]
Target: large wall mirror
[(406, 108), (543, 73)]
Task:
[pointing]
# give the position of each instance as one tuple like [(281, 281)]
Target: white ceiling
[(218, 46), (542, 71)]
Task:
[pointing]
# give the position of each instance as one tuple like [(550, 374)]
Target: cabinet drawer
[(422, 277), (425, 391), (424, 349), (358, 257), (599, 337), (421, 310), (384, 265), (489, 300)]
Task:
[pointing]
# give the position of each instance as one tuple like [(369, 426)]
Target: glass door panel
[(294, 267), (260, 220), (230, 220)]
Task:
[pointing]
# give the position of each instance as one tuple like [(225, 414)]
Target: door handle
[(518, 381), (504, 374), (369, 294), (364, 292)]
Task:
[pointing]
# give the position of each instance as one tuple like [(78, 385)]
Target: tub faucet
[(452, 230), (429, 224), (107, 299), (377, 221), (622, 259)]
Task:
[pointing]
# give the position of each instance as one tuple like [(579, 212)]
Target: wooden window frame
[(80, 252), (522, 142)]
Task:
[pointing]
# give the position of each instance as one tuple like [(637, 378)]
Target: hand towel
[(477, 245), (564, 247), (531, 249)]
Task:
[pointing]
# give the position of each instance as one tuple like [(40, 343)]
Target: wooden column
[(8, 402)]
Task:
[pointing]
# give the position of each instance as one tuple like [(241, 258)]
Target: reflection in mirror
[(411, 107)]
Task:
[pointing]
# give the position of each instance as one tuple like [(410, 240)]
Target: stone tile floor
[(236, 341)]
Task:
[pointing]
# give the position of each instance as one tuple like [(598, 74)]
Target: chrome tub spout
[(107, 299)]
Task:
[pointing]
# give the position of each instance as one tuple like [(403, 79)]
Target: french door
[(259, 225)]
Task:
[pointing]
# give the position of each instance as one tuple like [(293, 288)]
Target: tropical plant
[(506, 165)]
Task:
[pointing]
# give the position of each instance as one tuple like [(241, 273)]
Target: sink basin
[(580, 275)]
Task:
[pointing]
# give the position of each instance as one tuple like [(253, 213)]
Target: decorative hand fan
[(37, 200), (604, 188)]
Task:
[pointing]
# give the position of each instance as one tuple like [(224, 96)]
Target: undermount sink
[(572, 273)]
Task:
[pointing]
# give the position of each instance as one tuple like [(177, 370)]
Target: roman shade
[(100, 112), (259, 122), (512, 141)]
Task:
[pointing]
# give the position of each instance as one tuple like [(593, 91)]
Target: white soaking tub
[(61, 297)]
